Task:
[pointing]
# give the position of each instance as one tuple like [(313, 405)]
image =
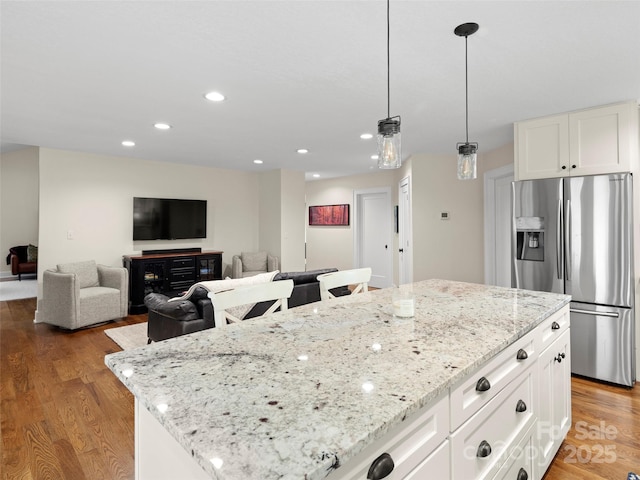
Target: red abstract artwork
[(329, 215)]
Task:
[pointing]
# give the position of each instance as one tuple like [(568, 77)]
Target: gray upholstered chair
[(80, 294), (248, 264)]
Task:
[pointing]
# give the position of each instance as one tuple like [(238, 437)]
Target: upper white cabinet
[(587, 142)]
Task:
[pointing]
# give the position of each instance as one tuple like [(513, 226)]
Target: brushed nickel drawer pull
[(522, 354)]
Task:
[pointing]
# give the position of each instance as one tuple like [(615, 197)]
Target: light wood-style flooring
[(64, 415)]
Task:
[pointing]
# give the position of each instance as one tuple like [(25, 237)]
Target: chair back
[(280, 291), (360, 277)]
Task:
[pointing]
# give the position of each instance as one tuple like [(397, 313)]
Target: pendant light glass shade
[(389, 146), (467, 152), (467, 158)]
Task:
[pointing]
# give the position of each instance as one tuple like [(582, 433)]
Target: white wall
[(91, 196), (450, 249), (333, 246), (281, 221), (18, 201), (270, 216), (292, 229)]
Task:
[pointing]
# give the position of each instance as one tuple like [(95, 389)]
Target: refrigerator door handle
[(559, 241), (567, 240), (594, 313)]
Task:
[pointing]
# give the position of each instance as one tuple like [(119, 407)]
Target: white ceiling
[(85, 75)]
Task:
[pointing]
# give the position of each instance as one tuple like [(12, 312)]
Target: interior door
[(405, 247), (497, 230), (373, 235)]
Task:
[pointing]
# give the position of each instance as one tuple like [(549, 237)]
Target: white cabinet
[(513, 429), (435, 465), (488, 438), (554, 399), (541, 147), (417, 444), (587, 142), (479, 388), (520, 465), (505, 420)]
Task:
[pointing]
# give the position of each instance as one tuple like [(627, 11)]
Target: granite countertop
[(295, 394)]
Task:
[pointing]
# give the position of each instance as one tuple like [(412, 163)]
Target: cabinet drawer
[(551, 328), (408, 444), (520, 464), (481, 445), (180, 286), (468, 397), (183, 262), (437, 465), (182, 274)]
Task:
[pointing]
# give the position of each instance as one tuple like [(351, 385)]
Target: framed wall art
[(331, 215)]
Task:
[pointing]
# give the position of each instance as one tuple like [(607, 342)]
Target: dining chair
[(223, 302), (360, 277)]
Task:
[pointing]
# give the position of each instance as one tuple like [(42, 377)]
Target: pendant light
[(389, 152), (467, 152)]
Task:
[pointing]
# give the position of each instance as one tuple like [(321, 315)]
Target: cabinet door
[(600, 139), (554, 401), (542, 147), (207, 268)]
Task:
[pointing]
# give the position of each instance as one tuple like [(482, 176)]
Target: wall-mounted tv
[(169, 219)]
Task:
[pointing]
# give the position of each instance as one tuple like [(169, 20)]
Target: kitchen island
[(324, 390)]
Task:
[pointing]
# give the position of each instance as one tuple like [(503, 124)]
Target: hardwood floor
[(64, 415), (604, 440)]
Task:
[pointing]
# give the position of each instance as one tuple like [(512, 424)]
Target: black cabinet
[(168, 273)]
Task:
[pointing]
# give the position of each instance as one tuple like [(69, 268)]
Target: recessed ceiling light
[(366, 136), (128, 143), (302, 150), (316, 175), (374, 157), (258, 162), (214, 96), (162, 126)]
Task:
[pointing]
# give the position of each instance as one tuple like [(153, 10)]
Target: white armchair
[(79, 294), (248, 264)]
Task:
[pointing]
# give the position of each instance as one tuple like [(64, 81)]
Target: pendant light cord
[(466, 87), (388, 68)]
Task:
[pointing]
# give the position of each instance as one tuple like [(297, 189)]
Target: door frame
[(357, 227), (490, 179)]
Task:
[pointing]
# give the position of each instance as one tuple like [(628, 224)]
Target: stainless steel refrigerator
[(575, 236)]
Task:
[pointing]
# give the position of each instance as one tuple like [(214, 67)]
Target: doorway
[(372, 236), (497, 226)]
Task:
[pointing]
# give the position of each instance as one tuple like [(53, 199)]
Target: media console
[(170, 272)]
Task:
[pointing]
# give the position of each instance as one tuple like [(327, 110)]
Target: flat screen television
[(169, 219)]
